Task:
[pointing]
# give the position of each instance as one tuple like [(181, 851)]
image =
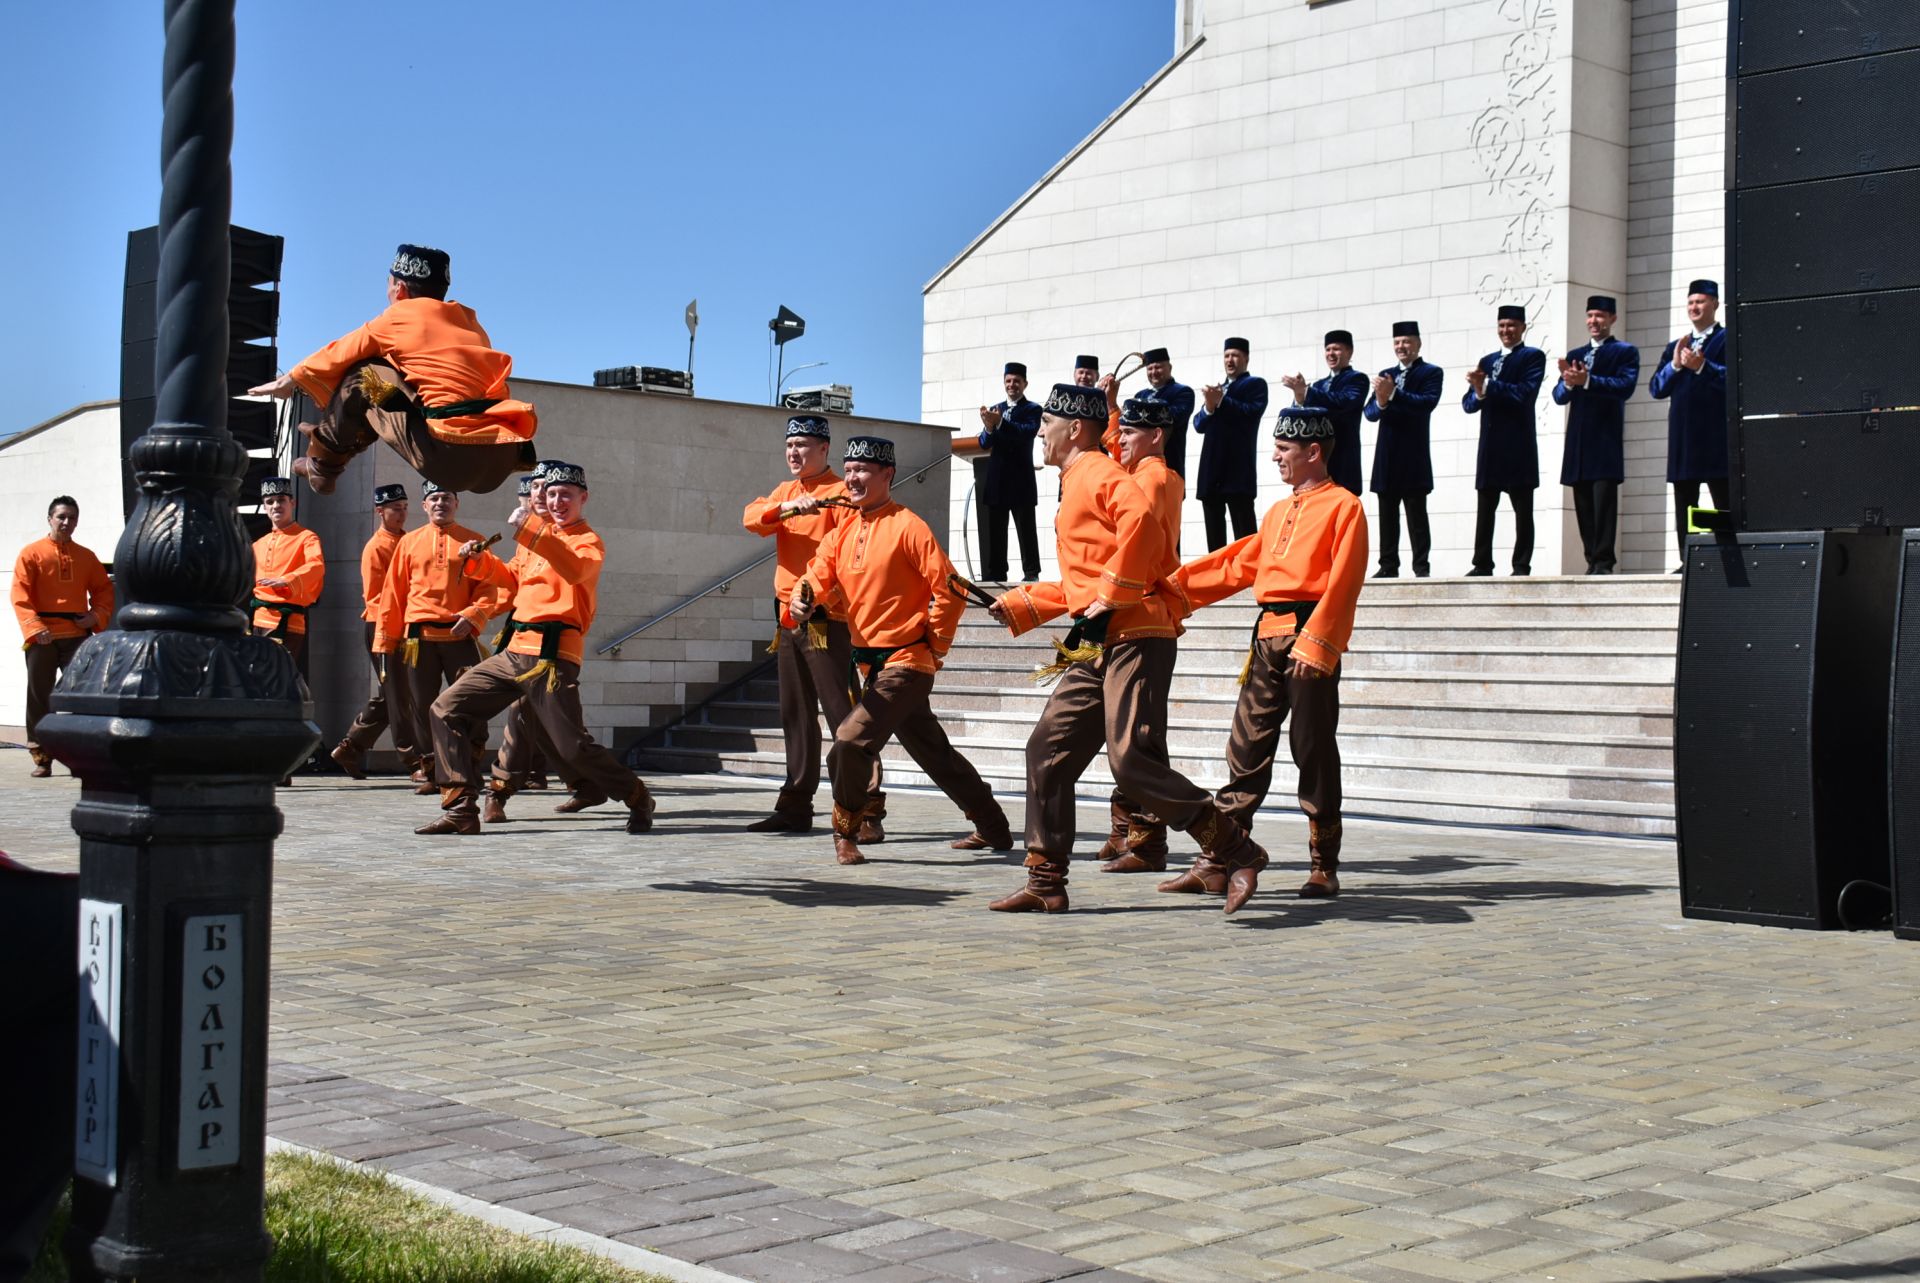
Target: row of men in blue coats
[(1596, 380)]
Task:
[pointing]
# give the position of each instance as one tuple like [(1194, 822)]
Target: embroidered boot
[(990, 831), (1207, 875), (1118, 809), (1045, 891), (458, 814), (1323, 839), (1146, 849), (494, 809), (846, 827)]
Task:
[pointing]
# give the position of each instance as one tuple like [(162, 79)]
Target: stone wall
[(1299, 167)]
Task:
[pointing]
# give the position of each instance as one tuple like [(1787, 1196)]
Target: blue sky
[(589, 166)]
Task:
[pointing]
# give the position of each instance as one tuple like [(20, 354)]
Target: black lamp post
[(178, 722)]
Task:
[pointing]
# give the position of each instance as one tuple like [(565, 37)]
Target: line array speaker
[(1903, 774)]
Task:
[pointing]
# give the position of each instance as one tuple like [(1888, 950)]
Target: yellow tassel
[(410, 652), (375, 388), (817, 634), (1246, 667), (544, 666), (774, 645), (553, 677), (499, 640), (1081, 654)]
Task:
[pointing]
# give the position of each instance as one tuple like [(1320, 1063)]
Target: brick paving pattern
[(1500, 1055)]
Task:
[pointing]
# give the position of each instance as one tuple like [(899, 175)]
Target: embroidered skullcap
[(1015, 367), (1338, 336), (388, 494), (1237, 345), (566, 474), (1087, 363), (418, 265), (434, 487), (1512, 312), (874, 450), (526, 486), (1071, 401), (1406, 329), (1705, 286), (1143, 412), (271, 486), (1156, 355), (1601, 303), (1302, 423), (808, 425)]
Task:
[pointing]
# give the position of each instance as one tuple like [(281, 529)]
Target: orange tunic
[(66, 579), (443, 352), (796, 539), (557, 582), (1167, 494), (892, 574), (1311, 547), (374, 560), (1111, 547), (292, 554), (427, 582)]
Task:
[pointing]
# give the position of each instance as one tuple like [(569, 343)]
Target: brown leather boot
[(457, 814), (322, 466), (1045, 891), (846, 827), (494, 809), (640, 808), (348, 758), (583, 798), (1208, 874), (1119, 811), (42, 764), (1146, 850), (990, 832), (1323, 839), (1244, 859)]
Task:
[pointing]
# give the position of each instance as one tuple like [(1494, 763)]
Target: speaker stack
[(1798, 682)]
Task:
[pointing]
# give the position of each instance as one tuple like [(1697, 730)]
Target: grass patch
[(335, 1224)]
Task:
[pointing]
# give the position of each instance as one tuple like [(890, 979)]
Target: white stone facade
[(1301, 167)]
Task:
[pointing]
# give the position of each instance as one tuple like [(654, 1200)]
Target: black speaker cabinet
[(1780, 715), (1903, 774)]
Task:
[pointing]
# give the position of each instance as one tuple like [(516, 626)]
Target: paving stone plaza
[(1500, 1055)]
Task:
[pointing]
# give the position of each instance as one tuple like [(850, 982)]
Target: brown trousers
[(812, 682), (44, 666), (352, 422), (895, 707), (1268, 699), (524, 751), (439, 663), (390, 709), (294, 643), (461, 714), (1120, 701)]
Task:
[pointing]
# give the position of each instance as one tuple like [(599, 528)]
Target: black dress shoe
[(1386, 574), (1478, 573)]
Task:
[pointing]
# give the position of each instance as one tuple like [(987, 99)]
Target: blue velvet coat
[(1696, 412), (1402, 460), (1509, 456), (1228, 465), (1180, 397), (1009, 482), (1597, 413), (1342, 395)]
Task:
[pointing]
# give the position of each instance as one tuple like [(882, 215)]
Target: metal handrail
[(725, 585)]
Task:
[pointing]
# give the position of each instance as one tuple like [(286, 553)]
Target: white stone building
[(1303, 165)]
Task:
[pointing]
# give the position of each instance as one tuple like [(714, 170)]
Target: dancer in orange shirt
[(893, 576), (1117, 662), (555, 592), (61, 596), (811, 658), (391, 708), (1306, 565), (423, 377), (289, 571)]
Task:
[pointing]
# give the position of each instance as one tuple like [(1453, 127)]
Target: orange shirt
[(292, 554), (64, 578), (374, 560), (1166, 494), (1111, 548), (558, 581), (796, 539), (1311, 547), (443, 352), (892, 574), (428, 583)]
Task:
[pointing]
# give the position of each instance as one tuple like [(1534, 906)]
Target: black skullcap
[(1344, 337), (1705, 286), (526, 486), (1602, 303), (1015, 367), (1237, 345), (1302, 423), (434, 487), (271, 486), (566, 474), (388, 494), (1406, 329), (1153, 355), (1071, 401), (418, 265), (809, 425), (876, 450), (1145, 412), (1087, 363), (1512, 312)]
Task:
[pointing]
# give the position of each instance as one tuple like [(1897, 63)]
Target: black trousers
[(993, 543), (1245, 522), (1522, 501), (1596, 506), (1686, 494), (1419, 533)]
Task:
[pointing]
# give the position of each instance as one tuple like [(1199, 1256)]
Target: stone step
[(1207, 739), (977, 628), (1592, 815), (1594, 690)]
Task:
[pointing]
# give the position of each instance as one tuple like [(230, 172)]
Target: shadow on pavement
[(808, 893)]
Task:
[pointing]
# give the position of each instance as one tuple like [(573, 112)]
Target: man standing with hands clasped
[(1342, 394), (1692, 380), (1404, 397), (1006, 430), (1502, 390), (1230, 422), (1595, 381)]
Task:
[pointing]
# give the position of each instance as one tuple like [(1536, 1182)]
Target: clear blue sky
[(589, 166)]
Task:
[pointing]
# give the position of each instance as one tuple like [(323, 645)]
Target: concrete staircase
[(1534, 702)]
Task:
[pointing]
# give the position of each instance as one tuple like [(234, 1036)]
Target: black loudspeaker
[(253, 319), (1823, 273), (1903, 766), (1780, 725)]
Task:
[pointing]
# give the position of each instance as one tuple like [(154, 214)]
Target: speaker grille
[(1819, 471), (1837, 236), (1789, 33), (1904, 764), (1827, 355), (1850, 117)]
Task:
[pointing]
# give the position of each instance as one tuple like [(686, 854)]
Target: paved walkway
[(1500, 1055)]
